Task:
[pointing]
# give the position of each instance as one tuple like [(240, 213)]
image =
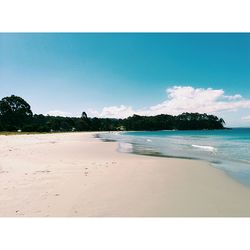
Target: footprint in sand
[(18, 213), (42, 172), (3, 172)]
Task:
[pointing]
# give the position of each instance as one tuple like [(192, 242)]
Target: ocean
[(227, 149)]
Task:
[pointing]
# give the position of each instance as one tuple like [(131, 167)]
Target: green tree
[(15, 112), (84, 115)]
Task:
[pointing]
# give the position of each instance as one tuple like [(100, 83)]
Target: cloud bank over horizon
[(58, 113), (182, 99)]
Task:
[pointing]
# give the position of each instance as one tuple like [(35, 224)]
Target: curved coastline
[(205, 148), (74, 174)]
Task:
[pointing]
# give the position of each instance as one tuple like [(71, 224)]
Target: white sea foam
[(206, 148), (115, 133), (149, 140), (125, 147)]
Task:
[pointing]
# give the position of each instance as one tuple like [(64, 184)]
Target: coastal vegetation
[(16, 115)]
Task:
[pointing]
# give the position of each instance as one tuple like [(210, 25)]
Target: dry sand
[(74, 174)]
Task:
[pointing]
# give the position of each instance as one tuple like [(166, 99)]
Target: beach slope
[(75, 174)]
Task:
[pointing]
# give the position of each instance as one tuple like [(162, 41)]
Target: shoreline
[(232, 165), (77, 175)]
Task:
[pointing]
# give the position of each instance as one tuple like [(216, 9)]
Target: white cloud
[(232, 97), (115, 112), (189, 99), (246, 118), (183, 99), (58, 113)]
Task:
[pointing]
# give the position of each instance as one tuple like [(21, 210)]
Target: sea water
[(227, 149)]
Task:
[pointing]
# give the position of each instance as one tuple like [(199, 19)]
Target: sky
[(121, 74)]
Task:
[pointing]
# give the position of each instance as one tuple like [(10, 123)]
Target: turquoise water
[(228, 150)]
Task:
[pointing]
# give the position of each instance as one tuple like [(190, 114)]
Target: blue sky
[(119, 74)]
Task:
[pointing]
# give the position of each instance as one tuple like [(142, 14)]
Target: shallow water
[(228, 150)]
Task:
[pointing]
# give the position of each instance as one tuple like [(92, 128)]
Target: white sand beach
[(75, 174)]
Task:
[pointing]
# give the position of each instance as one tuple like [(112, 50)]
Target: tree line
[(16, 115)]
